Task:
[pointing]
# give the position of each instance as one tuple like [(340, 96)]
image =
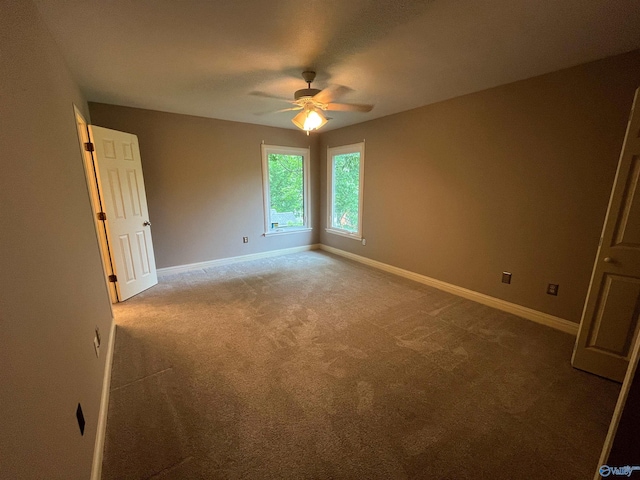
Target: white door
[(119, 171), (609, 325), (621, 414)]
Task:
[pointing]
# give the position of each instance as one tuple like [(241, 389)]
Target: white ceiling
[(207, 57)]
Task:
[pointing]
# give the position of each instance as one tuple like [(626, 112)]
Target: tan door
[(609, 325), (119, 171)]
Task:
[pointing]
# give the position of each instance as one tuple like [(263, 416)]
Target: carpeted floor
[(309, 366)]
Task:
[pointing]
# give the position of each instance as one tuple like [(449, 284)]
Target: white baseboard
[(98, 450), (524, 312), (229, 260)]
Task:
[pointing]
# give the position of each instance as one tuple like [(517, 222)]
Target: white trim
[(283, 231), (93, 190), (331, 153), (524, 312), (343, 233), (305, 153), (229, 260), (101, 430)]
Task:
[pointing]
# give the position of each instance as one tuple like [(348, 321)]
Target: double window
[(285, 173), (345, 177)]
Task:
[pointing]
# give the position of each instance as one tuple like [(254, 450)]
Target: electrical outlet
[(364, 242), (506, 277), (552, 289), (245, 239)]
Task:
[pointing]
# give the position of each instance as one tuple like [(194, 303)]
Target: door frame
[(95, 199), (620, 406)]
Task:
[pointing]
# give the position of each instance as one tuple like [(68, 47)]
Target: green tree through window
[(345, 175), (286, 185), (285, 180), (346, 190)]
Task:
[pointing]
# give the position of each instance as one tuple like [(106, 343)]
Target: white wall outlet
[(364, 241)]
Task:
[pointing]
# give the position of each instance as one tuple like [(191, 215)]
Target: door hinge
[(88, 146), (102, 216), (113, 278)]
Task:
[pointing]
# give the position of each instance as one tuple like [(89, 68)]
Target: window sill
[(343, 233), (286, 231)]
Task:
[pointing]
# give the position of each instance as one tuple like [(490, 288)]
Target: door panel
[(629, 226), (120, 176), (609, 326), (127, 257), (109, 148), (127, 150), (143, 252), (616, 316), (134, 193), (115, 187)]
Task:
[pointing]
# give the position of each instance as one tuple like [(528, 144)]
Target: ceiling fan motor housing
[(306, 92), (309, 76)]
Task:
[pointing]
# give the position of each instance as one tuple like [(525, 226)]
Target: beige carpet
[(309, 366)]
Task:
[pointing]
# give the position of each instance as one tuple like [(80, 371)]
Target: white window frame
[(306, 155), (332, 152)]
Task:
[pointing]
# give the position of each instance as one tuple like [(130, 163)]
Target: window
[(285, 173), (345, 185)]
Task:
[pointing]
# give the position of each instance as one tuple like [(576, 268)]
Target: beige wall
[(52, 287), (513, 178), (204, 182)]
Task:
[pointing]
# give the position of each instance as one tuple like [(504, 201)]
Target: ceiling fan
[(312, 102)]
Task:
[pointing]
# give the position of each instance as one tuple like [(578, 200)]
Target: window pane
[(346, 188), (286, 191)]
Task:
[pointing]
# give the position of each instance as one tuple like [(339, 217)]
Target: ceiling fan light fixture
[(309, 119)]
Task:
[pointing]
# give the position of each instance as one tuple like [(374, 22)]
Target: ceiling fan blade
[(278, 111), (331, 93), (349, 107), (268, 95), (288, 109)]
